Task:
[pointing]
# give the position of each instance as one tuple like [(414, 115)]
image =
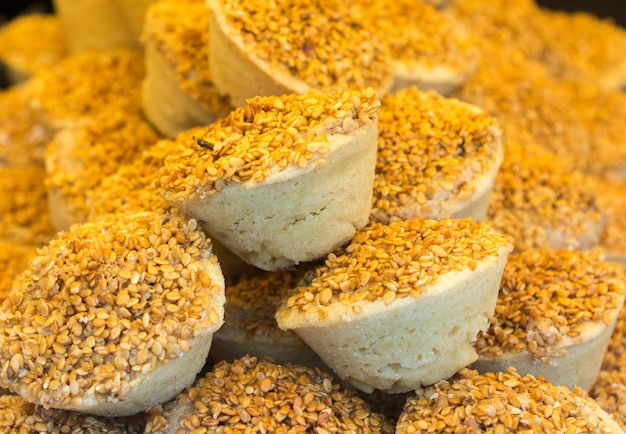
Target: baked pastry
[(609, 391), (249, 324), (29, 43), (24, 214), (177, 92), (78, 157), (542, 202), (400, 305), (502, 402), (427, 50), (555, 314), (134, 13), (437, 158), (17, 415), (112, 317), (249, 395), (82, 86), (14, 258), (282, 180), (95, 25), (286, 47)]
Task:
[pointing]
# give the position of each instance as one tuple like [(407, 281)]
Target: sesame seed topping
[(269, 135), (402, 259), (547, 295), (500, 402), (259, 396), (93, 313), (429, 150)]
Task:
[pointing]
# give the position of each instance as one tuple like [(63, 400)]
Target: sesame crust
[(79, 157), (499, 403), (293, 47), (103, 310), (436, 157), (259, 396)]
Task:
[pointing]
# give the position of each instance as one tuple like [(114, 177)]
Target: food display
[(220, 216)]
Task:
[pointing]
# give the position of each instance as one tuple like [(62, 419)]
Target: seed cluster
[(546, 295), (499, 402), (259, 396), (615, 356), (609, 391), (24, 214), (429, 150), (402, 259), (325, 44), (104, 304), (86, 84), (268, 135), (20, 416), (180, 33), (14, 259), (418, 34), (80, 156), (542, 202)]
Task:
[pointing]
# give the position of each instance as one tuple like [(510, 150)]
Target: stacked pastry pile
[(231, 216)]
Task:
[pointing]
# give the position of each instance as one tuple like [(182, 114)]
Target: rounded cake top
[(324, 44), (548, 295), (104, 304), (501, 402), (399, 260), (270, 134), (258, 396)]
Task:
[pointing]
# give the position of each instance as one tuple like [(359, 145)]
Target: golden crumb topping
[(325, 44), (86, 84), (181, 35), (269, 135), (20, 416), (418, 34), (498, 403), (104, 304), (24, 215), (31, 42), (402, 259), (79, 157), (429, 150), (259, 396), (547, 295)]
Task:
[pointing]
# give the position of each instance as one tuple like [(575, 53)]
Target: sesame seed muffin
[(112, 317), (249, 324), (94, 25), (286, 46), (29, 43), (609, 391), (78, 157), (555, 313), (282, 180), (502, 402), (84, 85), (543, 202), (400, 305), (426, 48), (437, 158), (20, 416), (611, 199), (177, 92), (248, 395)]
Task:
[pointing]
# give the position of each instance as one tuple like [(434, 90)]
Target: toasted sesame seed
[(258, 140), (260, 396), (96, 341)]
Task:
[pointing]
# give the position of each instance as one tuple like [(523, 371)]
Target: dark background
[(615, 9)]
